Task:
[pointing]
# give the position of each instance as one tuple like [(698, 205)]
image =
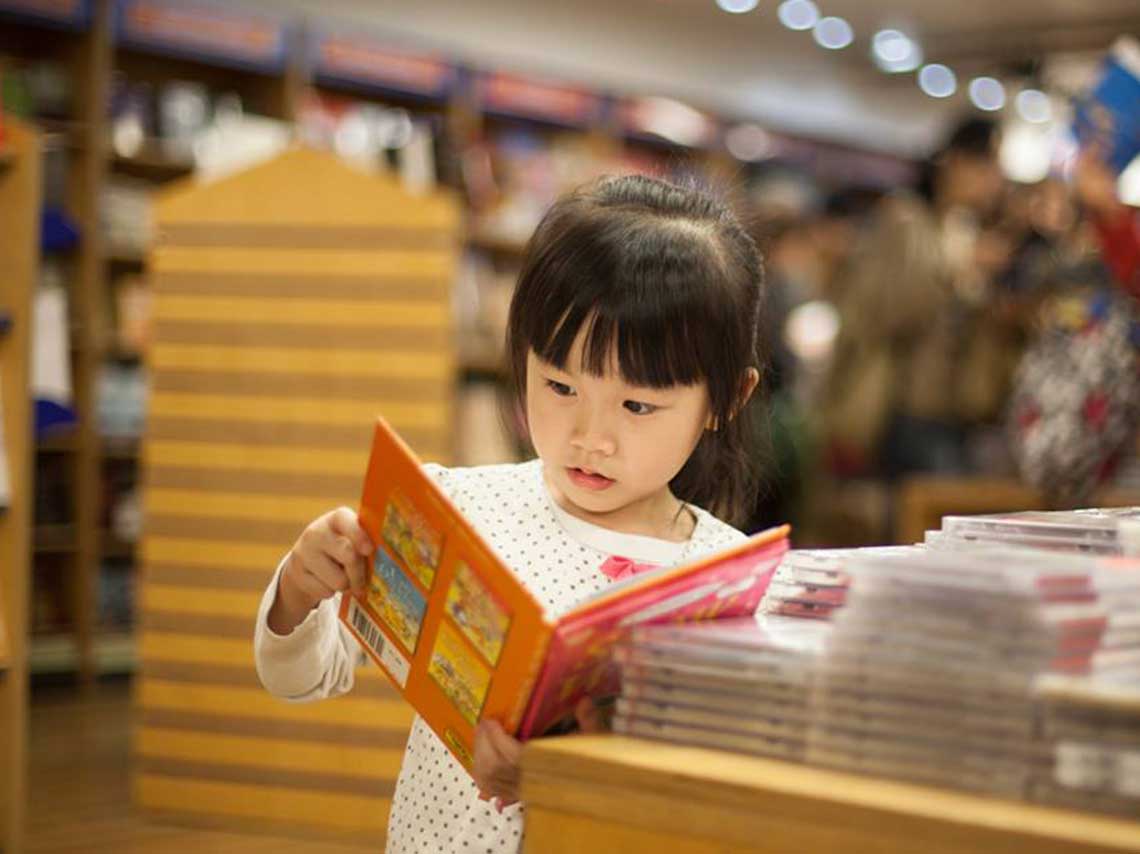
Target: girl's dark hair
[(667, 274), (973, 136)]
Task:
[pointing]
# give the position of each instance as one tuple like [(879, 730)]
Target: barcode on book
[(389, 657)]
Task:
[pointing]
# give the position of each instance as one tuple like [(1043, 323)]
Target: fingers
[(334, 552), (589, 718), (496, 765), (328, 571), (353, 565), (345, 522), (358, 572), (509, 749)]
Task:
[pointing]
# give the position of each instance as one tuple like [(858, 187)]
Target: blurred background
[(944, 194)]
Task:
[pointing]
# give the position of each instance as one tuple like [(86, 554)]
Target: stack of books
[(741, 685), (1113, 531), (812, 583), (931, 671), (1003, 657)]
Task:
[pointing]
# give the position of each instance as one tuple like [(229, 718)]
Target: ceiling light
[(798, 14), (937, 81), (987, 93), (737, 7), (894, 51), (833, 33)]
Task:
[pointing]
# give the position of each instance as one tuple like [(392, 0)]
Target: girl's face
[(611, 448)]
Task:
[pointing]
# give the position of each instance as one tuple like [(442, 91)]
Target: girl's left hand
[(496, 769)]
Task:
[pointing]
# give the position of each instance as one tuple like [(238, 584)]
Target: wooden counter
[(612, 793)]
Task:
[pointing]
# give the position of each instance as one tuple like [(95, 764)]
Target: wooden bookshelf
[(19, 250), (90, 55)]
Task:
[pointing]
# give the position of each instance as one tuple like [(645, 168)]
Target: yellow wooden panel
[(237, 702), (210, 455), (305, 187), (219, 554), (277, 803), (234, 505), (281, 261), (306, 312), (303, 361), (309, 410), (199, 600), (277, 753), (164, 646)]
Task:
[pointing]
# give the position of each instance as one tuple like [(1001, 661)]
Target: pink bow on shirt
[(618, 568)]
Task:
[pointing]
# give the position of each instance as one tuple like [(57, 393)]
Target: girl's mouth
[(588, 480)]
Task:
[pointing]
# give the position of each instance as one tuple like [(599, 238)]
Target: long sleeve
[(314, 661)]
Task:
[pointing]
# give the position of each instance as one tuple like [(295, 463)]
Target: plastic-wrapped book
[(1099, 531), (742, 685), (812, 583)]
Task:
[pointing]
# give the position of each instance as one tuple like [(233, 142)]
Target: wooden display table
[(612, 793), (922, 501)]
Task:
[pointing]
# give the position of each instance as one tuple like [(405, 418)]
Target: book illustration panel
[(459, 673), (478, 614), (412, 538), (396, 600)]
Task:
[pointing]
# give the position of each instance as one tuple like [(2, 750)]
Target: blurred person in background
[(1075, 407), (805, 250), (912, 367)]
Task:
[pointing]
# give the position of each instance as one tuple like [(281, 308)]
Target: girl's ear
[(747, 387)]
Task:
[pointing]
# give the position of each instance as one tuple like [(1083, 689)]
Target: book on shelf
[(462, 638)]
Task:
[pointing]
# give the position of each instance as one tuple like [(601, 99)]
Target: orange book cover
[(463, 639)]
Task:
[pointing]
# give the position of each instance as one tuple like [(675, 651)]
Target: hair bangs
[(633, 340)]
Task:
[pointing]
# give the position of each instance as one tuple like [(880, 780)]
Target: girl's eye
[(639, 408), (560, 389)]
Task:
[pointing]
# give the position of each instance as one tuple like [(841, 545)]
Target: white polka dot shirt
[(435, 807)]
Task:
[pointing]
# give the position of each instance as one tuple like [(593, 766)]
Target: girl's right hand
[(331, 555)]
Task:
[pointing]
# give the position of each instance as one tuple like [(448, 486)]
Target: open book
[(463, 639)]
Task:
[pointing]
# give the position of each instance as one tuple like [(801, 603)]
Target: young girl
[(632, 343)]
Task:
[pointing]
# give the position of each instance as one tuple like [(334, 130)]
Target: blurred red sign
[(203, 29), (65, 11), (539, 99), (357, 59)]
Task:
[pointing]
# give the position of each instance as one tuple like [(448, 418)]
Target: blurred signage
[(357, 59), (538, 99), (70, 13), (203, 31)]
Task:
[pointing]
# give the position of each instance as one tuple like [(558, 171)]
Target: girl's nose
[(593, 434)]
